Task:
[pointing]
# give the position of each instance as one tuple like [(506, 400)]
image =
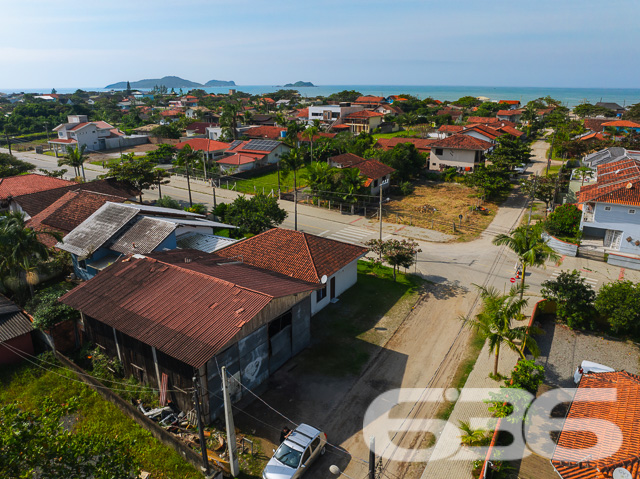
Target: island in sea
[(169, 82), (299, 84)]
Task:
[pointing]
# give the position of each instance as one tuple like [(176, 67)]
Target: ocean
[(569, 97)]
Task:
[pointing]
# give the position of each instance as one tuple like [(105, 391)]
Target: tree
[(573, 297), (186, 158), (11, 166), (47, 311), (587, 109), (166, 131), (309, 133), (163, 154), (541, 188), (492, 180), (229, 119), (293, 161), (527, 243), (467, 102), (20, 248), (345, 95), (619, 303), (252, 215), (135, 171), (509, 153), (584, 172), (396, 253), (470, 436), (37, 443), (495, 318), (75, 157), (564, 221), (527, 375), (128, 90), (162, 177), (351, 183), (54, 173), (406, 160), (321, 178)]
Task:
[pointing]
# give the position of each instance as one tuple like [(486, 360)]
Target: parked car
[(590, 367), (301, 447)]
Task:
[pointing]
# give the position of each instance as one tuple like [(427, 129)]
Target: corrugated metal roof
[(187, 314), (13, 321), (198, 222), (160, 210), (97, 229), (203, 242), (144, 236)]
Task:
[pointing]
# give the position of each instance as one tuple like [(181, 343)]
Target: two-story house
[(611, 211), (462, 152), (378, 174)]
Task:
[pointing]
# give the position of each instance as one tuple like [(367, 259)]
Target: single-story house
[(511, 115), (462, 152), (265, 152), (482, 132), (448, 130), (15, 332), (378, 174), (116, 229), (423, 145), (183, 313), (622, 126), (512, 104), (212, 149), (593, 451), (266, 132), (199, 128), (330, 264), (614, 107)]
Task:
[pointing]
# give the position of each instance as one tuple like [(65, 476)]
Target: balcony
[(587, 217)]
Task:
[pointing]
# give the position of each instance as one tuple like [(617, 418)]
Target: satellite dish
[(621, 473), (323, 280)]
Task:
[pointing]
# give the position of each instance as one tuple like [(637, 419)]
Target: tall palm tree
[(75, 157), (293, 160), (309, 134), (185, 158), (351, 183), (495, 322), (20, 248), (229, 118), (527, 243)]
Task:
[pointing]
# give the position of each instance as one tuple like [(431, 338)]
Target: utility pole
[(553, 139), (203, 443), (295, 201), (533, 197), (372, 458), (213, 185), (380, 218), (231, 430), (8, 141)]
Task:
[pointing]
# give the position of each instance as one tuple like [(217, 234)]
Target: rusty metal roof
[(182, 309), (13, 321), (144, 236)]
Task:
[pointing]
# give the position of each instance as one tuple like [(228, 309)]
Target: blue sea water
[(568, 96)]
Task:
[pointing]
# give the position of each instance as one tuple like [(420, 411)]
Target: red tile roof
[(617, 182), (68, 212), (189, 311), (422, 144), (487, 131), (200, 127), (363, 114), (450, 128), (171, 112), (340, 127), (594, 135), (369, 99), (203, 144), (347, 160), (303, 113), (510, 102), (620, 410), (294, 253), (483, 120), (66, 141), (270, 132), (27, 184), (239, 159), (595, 124), (317, 136), (509, 112), (511, 131), (102, 125), (462, 142), (374, 169), (622, 124)]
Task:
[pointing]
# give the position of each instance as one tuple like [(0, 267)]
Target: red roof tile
[(347, 160), (303, 113), (373, 169), (316, 137), (363, 114), (239, 159), (68, 212), (509, 112), (270, 132), (66, 141), (203, 144), (189, 311), (171, 113), (294, 253), (462, 142), (594, 135), (595, 124), (620, 410), (617, 182), (422, 144), (450, 128), (622, 124), (369, 99), (511, 131), (487, 131), (510, 102), (482, 120), (27, 184)]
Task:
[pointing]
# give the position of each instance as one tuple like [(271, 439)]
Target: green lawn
[(106, 164), (27, 384), (268, 182), (397, 134), (345, 334)]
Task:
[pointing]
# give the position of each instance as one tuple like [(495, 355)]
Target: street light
[(336, 471)]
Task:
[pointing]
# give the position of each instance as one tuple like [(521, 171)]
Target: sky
[(559, 43)]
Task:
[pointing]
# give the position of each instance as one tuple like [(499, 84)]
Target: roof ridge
[(199, 273), (306, 242)]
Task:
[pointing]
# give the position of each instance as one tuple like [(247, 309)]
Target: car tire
[(322, 451)]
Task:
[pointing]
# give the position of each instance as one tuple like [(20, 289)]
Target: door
[(333, 287), (612, 239)]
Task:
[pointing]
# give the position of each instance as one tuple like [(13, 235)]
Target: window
[(306, 456), (321, 294), (315, 444), (375, 183), (82, 264), (439, 151), (607, 208), (632, 212), (280, 323)]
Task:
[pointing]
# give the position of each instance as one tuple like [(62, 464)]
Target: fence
[(156, 431), (559, 246)]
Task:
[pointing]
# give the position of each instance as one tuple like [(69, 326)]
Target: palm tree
[(527, 243), (584, 171), (186, 157), (75, 157), (309, 134), (351, 183), (20, 248), (293, 161), (229, 118), (320, 175), (470, 436), (494, 321)]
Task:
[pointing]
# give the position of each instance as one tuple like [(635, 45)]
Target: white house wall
[(345, 278), (452, 158)]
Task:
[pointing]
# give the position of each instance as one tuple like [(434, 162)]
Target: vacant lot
[(437, 206), (267, 182)]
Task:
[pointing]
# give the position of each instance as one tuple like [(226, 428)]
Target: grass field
[(347, 333), (401, 134), (437, 205), (28, 384), (268, 182)]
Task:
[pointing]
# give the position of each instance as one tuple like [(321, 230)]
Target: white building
[(331, 113)]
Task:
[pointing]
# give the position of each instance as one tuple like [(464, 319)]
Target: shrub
[(168, 202), (564, 221), (573, 297), (198, 208), (406, 187), (619, 304), (47, 311)]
